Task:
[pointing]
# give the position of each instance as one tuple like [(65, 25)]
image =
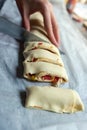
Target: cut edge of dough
[(42, 45), (78, 104)]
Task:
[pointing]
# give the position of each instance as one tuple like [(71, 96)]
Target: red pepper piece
[(56, 79), (34, 59), (34, 48), (46, 77), (40, 43)]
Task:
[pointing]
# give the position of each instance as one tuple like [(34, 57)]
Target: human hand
[(28, 7)]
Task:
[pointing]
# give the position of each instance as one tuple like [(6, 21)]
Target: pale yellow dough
[(43, 55), (44, 68), (49, 98), (46, 46)]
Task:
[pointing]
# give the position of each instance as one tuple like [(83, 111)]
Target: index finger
[(48, 26)]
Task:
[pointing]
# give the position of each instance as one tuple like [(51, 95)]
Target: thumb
[(26, 21)]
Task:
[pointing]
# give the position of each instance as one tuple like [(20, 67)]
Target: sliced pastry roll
[(42, 59), (42, 55), (49, 98), (44, 71), (40, 45)]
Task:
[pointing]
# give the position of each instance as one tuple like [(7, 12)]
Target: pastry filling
[(39, 44), (34, 48), (53, 79), (33, 60)]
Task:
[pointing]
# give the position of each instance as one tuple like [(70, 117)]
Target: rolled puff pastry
[(42, 59), (43, 55), (41, 45), (38, 70), (58, 100)]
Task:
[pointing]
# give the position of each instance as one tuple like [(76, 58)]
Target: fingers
[(24, 10), (55, 28), (50, 24), (26, 21), (19, 3), (28, 7)]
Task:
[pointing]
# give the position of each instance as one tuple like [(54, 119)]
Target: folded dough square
[(60, 100), (42, 59)]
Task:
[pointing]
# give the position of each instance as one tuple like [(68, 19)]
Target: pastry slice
[(44, 71), (49, 98), (42, 55), (40, 45)]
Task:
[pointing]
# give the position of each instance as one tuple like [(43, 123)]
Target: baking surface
[(13, 115)]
